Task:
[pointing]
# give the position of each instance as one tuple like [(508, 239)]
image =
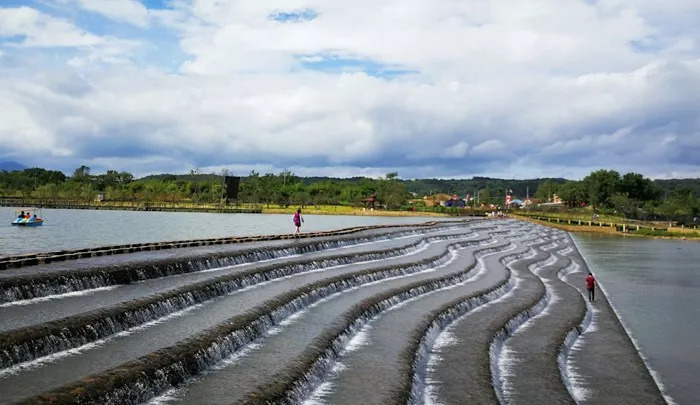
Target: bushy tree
[(573, 193), (600, 186), (484, 196), (638, 188), (623, 205), (546, 190), (391, 192), (81, 174)]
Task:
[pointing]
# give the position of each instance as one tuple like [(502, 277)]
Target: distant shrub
[(662, 232)]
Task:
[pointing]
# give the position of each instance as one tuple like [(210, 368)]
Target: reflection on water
[(73, 229), (655, 287)]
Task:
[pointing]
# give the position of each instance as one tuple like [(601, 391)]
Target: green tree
[(47, 191), (391, 192), (636, 187), (573, 193), (683, 201), (600, 186), (546, 190), (42, 176), (82, 174), (623, 205), (484, 196)]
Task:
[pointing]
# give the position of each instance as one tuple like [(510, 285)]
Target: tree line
[(283, 188), (631, 195)]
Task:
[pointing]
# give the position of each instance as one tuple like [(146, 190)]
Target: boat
[(34, 218)]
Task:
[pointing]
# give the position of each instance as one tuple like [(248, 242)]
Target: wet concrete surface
[(375, 365)]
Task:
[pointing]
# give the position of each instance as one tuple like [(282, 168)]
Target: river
[(75, 229), (654, 285)]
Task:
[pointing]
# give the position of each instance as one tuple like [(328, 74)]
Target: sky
[(428, 89)]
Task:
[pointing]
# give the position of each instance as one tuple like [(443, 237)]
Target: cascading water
[(30, 287)]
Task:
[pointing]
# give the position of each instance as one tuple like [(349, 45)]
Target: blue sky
[(448, 89)]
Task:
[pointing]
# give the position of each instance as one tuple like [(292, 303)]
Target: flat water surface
[(654, 286), (76, 229)]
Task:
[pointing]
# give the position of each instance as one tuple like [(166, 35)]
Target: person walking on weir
[(298, 219), (590, 285)]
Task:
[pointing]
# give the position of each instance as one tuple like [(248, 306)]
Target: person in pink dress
[(298, 219)]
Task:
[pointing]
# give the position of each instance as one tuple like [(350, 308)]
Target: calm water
[(73, 229), (655, 287)]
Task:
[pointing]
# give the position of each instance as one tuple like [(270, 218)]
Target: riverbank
[(133, 206), (669, 233), (214, 208), (344, 210)]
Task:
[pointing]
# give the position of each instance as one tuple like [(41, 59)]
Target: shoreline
[(355, 212), (606, 230), (252, 209)]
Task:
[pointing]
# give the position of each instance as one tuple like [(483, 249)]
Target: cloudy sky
[(443, 88)]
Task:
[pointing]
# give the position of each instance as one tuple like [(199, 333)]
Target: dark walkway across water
[(463, 312)]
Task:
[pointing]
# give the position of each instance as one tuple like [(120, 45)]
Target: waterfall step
[(463, 376)]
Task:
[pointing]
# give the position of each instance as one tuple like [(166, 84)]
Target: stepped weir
[(454, 312)]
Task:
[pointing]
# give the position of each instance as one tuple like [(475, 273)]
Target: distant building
[(370, 201), (455, 202)]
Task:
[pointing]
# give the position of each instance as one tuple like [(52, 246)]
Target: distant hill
[(184, 177), (457, 186), (671, 185), (463, 186), (11, 166)]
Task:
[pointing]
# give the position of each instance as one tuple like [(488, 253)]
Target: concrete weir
[(453, 312)]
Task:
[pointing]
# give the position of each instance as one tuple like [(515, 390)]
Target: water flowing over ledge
[(290, 324), (446, 317), (28, 344)]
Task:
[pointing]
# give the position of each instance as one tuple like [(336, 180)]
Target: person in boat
[(21, 216)]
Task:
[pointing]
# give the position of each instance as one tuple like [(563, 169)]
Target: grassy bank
[(671, 233), (210, 207), (345, 210)]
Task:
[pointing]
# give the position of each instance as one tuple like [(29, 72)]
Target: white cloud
[(458, 150), (41, 30), (499, 88), (129, 11)]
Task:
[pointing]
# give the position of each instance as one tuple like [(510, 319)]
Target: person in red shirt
[(590, 285)]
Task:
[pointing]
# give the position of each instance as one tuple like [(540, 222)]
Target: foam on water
[(289, 317), (324, 389), (424, 386), (81, 349), (58, 296), (320, 372), (444, 340), (503, 358), (175, 394)]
